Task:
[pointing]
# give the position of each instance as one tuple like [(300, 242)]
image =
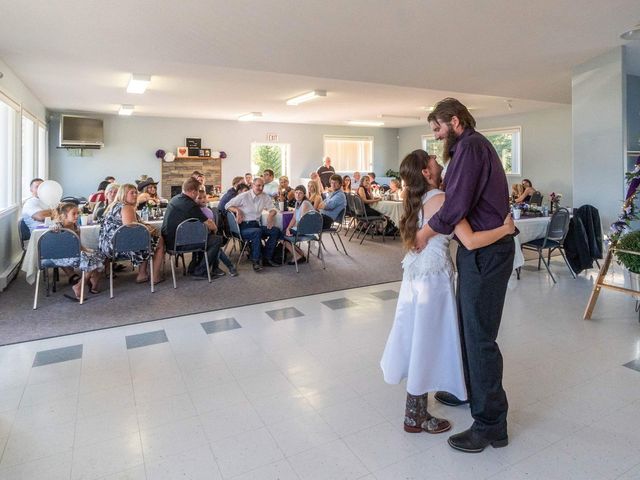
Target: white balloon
[(169, 157), (50, 192), (215, 154)]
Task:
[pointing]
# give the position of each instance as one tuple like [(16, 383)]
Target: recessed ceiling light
[(138, 83), (305, 97), (126, 110), (633, 34), (247, 117), (365, 123)]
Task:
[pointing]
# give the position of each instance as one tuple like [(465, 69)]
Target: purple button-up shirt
[(476, 186)]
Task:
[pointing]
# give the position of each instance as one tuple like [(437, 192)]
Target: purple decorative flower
[(160, 154), (633, 186), (223, 154)]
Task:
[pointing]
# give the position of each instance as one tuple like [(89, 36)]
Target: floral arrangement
[(555, 198), (629, 212)]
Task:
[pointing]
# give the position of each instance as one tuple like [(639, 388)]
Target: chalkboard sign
[(194, 142)]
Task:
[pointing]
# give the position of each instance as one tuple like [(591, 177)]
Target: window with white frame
[(273, 156), (43, 152), (349, 154), (28, 153), (8, 115), (506, 141)]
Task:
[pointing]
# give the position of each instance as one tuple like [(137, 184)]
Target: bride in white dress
[(424, 342)]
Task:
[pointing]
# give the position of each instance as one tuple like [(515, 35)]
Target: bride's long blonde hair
[(415, 187)]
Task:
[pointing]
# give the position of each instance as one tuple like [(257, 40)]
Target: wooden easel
[(600, 283)]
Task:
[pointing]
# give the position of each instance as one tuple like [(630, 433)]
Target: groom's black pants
[(483, 275)]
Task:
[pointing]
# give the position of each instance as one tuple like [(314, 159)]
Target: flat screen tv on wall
[(81, 132)]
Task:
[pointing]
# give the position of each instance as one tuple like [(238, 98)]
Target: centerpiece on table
[(554, 200)]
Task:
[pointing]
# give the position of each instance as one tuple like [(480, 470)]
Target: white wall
[(546, 147), (12, 87), (598, 102), (131, 142)]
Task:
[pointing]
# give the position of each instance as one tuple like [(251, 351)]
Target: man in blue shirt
[(335, 202)]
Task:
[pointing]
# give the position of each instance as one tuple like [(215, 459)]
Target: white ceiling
[(221, 58)]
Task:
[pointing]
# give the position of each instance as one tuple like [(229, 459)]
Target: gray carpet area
[(373, 262)]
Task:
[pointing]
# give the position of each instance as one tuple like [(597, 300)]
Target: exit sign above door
[(272, 137)]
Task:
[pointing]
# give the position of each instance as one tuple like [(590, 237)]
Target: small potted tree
[(630, 242)]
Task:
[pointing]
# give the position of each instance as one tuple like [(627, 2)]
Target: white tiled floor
[(303, 398)]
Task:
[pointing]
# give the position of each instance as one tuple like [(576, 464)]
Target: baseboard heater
[(9, 274)]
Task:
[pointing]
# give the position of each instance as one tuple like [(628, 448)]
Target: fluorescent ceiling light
[(138, 83), (305, 97), (633, 34), (247, 117), (126, 110), (362, 123), (405, 117)]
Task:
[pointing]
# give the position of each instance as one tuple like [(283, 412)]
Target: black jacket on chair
[(576, 246), (591, 221)]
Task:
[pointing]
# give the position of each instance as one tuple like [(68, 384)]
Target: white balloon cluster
[(215, 154), (169, 157), (50, 192)]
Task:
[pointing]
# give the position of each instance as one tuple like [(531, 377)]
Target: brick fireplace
[(176, 172)]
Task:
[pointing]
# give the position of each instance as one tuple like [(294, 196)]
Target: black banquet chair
[(130, 238), (191, 236), (309, 229), (236, 236), (334, 230), (553, 240), (53, 247)]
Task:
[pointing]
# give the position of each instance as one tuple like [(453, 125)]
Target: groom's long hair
[(415, 187)]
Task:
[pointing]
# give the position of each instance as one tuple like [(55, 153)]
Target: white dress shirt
[(271, 188), (251, 205), (32, 206)]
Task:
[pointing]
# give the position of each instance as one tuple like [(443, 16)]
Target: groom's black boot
[(450, 399)]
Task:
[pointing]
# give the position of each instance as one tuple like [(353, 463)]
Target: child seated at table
[(201, 200), (92, 262)]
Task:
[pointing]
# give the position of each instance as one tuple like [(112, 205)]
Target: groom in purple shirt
[(476, 189)]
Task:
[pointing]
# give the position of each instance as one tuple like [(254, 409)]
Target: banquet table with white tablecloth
[(88, 238), (391, 209), (530, 229)]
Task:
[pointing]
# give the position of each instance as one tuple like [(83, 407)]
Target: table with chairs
[(88, 238), (392, 209)]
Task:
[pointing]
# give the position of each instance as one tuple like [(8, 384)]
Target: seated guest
[(248, 208), (372, 176), (302, 206), (357, 178), (335, 202), (229, 194), (99, 195), (395, 191), (286, 192), (110, 179), (198, 176), (346, 184), (183, 207), (92, 262), (248, 179), (181, 210), (364, 192), (123, 212), (315, 196), (149, 194), (109, 196), (316, 178), (528, 190), (34, 210), (270, 185)]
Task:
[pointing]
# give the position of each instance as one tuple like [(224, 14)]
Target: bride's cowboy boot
[(417, 418)]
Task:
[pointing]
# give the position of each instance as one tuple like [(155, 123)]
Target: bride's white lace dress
[(424, 342)]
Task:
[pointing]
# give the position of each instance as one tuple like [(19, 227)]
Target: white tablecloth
[(530, 229), (279, 222), (391, 209), (88, 238)]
